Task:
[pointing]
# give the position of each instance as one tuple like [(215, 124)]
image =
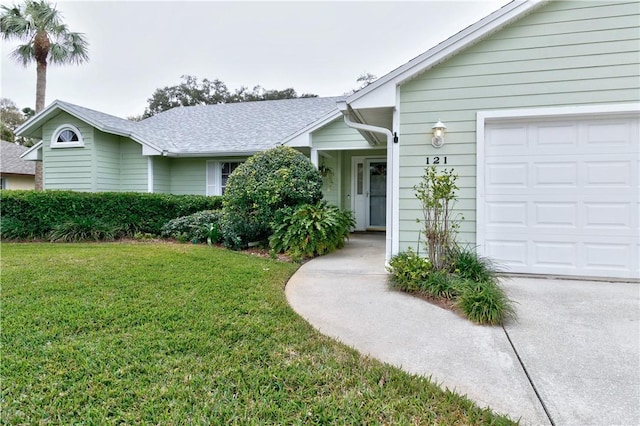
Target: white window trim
[(214, 174), (62, 128)]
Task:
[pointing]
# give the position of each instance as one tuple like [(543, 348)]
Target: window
[(218, 173), (67, 136), (3, 183), (227, 169)]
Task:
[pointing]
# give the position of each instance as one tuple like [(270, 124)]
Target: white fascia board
[(34, 153), (599, 109), (35, 121), (210, 154), (302, 138), (470, 35)]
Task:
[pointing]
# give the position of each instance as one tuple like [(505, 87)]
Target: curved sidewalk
[(345, 295)]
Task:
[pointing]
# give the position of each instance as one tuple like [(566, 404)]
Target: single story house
[(15, 172), (540, 103)]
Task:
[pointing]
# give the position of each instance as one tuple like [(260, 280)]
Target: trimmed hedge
[(41, 211)]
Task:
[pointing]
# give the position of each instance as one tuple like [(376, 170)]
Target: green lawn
[(184, 334)]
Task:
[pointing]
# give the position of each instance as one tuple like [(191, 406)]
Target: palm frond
[(24, 54)]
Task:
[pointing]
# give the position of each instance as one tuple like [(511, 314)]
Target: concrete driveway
[(572, 358)]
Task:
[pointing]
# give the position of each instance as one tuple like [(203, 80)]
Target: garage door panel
[(555, 214), (614, 257), (564, 198), (608, 215), (508, 213), (605, 173)]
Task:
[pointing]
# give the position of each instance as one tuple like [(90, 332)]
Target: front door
[(369, 189)]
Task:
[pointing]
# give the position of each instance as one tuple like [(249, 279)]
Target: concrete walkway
[(579, 341)]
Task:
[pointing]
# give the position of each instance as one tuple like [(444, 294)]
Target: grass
[(183, 334)]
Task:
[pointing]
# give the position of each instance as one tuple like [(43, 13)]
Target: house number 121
[(436, 160)]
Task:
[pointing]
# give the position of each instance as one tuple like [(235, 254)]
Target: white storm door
[(376, 193), (561, 196)]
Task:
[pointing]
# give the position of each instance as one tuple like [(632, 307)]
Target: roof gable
[(382, 92)]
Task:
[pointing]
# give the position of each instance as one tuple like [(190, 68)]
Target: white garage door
[(561, 196)]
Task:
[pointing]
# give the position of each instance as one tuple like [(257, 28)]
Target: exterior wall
[(565, 53), (68, 168), (133, 167), (107, 171), (18, 182), (331, 181), (337, 135), (161, 175), (188, 175)]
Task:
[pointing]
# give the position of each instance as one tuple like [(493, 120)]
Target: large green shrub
[(257, 189), (200, 227), (34, 214), (310, 230)]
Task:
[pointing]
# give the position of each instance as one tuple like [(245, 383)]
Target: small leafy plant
[(200, 227), (409, 270), (310, 230)]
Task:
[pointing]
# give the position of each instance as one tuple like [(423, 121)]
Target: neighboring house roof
[(244, 127), (10, 161)]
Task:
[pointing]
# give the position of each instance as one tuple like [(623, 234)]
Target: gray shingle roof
[(209, 129), (236, 127), (10, 161)]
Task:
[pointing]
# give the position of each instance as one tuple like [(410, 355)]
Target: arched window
[(67, 136)]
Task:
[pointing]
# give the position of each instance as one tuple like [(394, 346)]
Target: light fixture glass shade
[(438, 134)]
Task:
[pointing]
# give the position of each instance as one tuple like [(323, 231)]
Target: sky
[(315, 47)]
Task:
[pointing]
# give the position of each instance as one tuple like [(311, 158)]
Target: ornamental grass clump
[(485, 302), (84, 228)]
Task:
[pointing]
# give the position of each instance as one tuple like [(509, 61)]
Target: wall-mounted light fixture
[(438, 134)]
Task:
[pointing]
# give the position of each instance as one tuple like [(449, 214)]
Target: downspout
[(344, 108)]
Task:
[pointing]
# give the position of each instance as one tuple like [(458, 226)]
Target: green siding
[(161, 175), (565, 53), (331, 182), (133, 167), (188, 175), (107, 150), (336, 135), (68, 168)]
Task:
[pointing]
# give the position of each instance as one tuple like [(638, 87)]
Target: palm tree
[(48, 40)]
